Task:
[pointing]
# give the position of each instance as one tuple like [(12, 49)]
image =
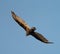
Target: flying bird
[(29, 31)]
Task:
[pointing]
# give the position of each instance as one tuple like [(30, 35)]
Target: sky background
[(42, 14)]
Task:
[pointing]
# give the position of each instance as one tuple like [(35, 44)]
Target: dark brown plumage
[(29, 31)]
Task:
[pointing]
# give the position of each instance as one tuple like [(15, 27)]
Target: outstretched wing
[(20, 21), (40, 37)]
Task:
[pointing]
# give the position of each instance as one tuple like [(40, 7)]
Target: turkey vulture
[(29, 31)]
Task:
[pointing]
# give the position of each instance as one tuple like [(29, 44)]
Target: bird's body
[(29, 31)]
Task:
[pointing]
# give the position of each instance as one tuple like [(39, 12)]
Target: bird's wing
[(20, 21), (40, 37)]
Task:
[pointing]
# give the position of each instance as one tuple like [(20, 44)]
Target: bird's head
[(33, 28)]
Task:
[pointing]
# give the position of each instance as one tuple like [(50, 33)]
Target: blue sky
[(43, 14)]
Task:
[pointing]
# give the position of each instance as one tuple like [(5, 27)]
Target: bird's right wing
[(20, 21), (40, 37)]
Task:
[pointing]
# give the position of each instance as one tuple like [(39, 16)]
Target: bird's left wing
[(40, 37), (20, 21)]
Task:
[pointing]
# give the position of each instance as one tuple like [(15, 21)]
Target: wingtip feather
[(49, 42), (12, 12)]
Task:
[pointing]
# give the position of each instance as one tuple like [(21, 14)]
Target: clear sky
[(43, 14)]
